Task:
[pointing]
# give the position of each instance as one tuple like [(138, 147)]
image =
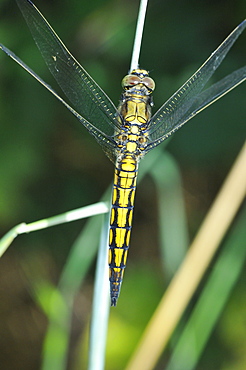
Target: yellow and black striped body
[(134, 112)]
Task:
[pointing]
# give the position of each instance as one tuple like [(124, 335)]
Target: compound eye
[(130, 80), (149, 83)]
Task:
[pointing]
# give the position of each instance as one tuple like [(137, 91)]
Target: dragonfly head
[(138, 77)]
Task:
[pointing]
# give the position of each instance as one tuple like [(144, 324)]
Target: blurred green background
[(49, 164)]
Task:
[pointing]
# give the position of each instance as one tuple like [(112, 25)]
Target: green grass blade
[(81, 256), (224, 276), (8, 238), (173, 222), (57, 337), (101, 304), (76, 214), (78, 263)]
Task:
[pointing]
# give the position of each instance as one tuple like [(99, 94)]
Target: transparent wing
[(83, 92), (189, 100), (107, 143)]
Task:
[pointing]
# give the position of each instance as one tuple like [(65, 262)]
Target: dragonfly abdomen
[(121, 221)]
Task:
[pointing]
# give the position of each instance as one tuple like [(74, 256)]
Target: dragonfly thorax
[(134, 114), (136, 102), (132, 142)]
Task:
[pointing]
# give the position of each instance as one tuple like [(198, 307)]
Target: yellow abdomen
[(121, 222)]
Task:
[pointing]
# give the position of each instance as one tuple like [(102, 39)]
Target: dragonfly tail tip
[(113, 301)]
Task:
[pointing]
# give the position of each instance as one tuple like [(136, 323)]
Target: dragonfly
[(129, 132)]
